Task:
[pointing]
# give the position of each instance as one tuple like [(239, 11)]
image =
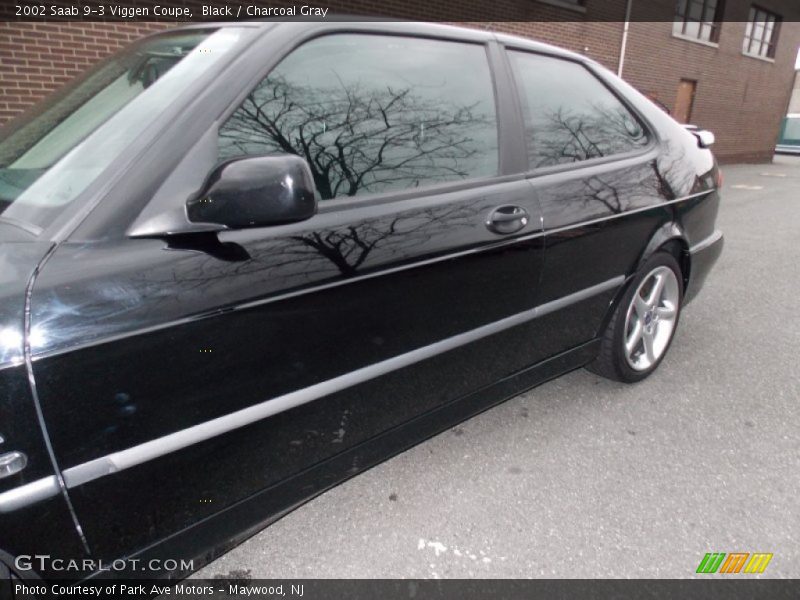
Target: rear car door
[(382, 307)]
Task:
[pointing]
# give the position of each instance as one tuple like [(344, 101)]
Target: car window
[(52, 154), (570, 116), (372, 114)]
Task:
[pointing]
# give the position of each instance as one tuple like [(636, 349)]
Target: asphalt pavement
[(583, 477)]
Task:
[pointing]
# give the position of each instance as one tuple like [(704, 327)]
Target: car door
[(182, 375), (595, 166)]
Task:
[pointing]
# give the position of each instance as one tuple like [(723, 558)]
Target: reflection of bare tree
[(358, 139), (291, 262), (663, 186), (619, 191), (349, 248), (565, 136), (277, 265), (599, 190)]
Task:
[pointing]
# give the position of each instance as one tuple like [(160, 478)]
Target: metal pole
[(624, 37)]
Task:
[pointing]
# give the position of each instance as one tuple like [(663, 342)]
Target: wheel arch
[(670, 238)]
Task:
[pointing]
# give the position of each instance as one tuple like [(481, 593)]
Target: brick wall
[(37, 58), (741, 99)]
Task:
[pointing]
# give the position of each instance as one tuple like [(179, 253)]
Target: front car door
[(180, 377)]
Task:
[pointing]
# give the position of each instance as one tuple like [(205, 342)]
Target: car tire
[(644, 322)]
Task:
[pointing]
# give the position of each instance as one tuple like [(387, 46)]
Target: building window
[(761, 35), (699, 19), (565, 3), (575, 5)]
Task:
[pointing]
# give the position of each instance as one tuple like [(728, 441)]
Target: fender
[(671, 232), (667, 233)]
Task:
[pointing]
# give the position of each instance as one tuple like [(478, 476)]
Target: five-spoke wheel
[(650, 319), (643, 324)]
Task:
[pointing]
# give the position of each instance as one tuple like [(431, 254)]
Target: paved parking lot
[(583, 477)]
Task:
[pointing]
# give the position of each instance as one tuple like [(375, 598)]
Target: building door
[(685, 100)]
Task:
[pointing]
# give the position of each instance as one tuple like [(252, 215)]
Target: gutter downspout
[(624, 45)]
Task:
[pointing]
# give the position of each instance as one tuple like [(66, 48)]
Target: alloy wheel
[(651, 317)]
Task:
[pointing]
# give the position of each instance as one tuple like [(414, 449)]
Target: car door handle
[(507, 219)]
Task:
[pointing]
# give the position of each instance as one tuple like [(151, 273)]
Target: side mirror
[(256, 192)]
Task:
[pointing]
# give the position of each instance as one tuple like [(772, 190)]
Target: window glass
[(699, 19), (373, 113), (761, 33), (791, 131), (570, 115), (50, 155)]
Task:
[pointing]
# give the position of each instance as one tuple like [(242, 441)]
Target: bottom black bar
[(735, 588)]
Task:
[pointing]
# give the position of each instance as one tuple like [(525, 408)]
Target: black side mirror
[(256, 192)]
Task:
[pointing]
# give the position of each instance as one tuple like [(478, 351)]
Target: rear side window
[(570, 116), (373, 113)]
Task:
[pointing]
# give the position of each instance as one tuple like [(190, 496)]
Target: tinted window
[(52, 154), (570, 115), (373, 113)]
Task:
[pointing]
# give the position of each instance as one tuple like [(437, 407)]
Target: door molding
[(141, 453)]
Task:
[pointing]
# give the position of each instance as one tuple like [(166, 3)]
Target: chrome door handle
[(507, 219), (12, 463)]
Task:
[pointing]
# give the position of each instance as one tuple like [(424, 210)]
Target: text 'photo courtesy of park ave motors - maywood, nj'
[(136, 590), (221, 11)]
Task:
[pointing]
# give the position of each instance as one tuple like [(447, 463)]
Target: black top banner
[(414, 10)]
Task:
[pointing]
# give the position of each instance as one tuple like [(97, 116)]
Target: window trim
[(580, 7), (379, 198), (765, 59), (716, 24), (686, 38), (772, 46), (652, 137)]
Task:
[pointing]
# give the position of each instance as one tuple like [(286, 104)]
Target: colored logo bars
[(736, 562)]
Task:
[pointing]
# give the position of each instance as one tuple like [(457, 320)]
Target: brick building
[(726, 65)]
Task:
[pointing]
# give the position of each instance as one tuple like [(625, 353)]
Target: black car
[(243, 262)]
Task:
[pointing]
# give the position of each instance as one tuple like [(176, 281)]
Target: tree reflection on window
[(372, 114), (570, 116)]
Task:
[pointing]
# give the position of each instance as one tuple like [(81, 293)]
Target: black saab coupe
[(240, 263)]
